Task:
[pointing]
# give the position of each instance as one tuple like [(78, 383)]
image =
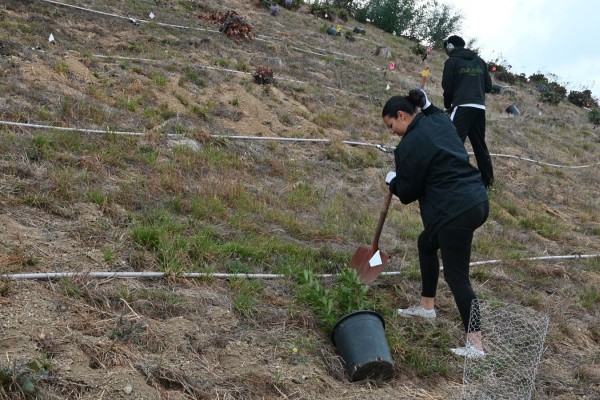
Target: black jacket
[(432, 166), (465, 79)]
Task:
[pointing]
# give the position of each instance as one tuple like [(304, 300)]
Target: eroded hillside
[(146, 177)]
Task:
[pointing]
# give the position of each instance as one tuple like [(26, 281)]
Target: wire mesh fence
[(513, 340)]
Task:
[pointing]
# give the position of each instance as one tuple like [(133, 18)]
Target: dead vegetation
[(231, 24)]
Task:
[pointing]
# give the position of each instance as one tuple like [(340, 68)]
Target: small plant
[(324, 11), (126, 330), (223, 63), (70, 288), (594, 116), (552, 93), (329, 304), (242, 66), (61, 67), (108, 255), (589, 297), (501, 71), (5, 288), (289, 4), (20, 379), (193, 76), (550, 97), (159, 79), (232, 24), (263, 75), (418, 49), (506, 76)]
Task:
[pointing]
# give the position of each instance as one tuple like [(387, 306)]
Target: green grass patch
[(589, 297), (246, 295), (353, 158), (545, 226)]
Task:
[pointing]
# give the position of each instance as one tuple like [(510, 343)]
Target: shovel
[(369, 261)]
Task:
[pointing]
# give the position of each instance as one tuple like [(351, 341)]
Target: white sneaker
[(468, 351), (416, 311)]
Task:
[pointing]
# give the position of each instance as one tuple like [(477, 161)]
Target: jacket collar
[(413, 123)]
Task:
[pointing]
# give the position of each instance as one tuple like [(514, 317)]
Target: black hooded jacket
[(432, 166), (466, 79)]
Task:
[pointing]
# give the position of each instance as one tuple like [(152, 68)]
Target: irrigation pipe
[(201, 29), (234, 137), (544, 163), (153, 60), (203, 66), (313, 52), (352, 143), (225, 70), (58, 275), (133, 20), (272, 138), (38, 126), (569, 257), (327, 87), (97, 131)]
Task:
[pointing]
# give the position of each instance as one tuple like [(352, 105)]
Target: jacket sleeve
[(448, 83), (487, 79), (410, 176)]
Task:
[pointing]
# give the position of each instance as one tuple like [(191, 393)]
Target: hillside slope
[(146, 177)]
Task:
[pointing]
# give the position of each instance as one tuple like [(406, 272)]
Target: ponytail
[(408, 104)]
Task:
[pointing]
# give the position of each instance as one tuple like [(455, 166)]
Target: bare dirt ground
[(175, 338)]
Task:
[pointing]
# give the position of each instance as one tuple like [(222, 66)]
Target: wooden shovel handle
[(382, 215)]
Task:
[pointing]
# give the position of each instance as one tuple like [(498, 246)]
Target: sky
[(559, 39)]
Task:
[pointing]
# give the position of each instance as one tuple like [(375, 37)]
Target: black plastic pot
[(496, 88), (360, 340), (512, 109), (333, 32), (359, 30)]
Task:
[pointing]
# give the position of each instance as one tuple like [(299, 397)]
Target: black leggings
[(454, 240), (470, 122)]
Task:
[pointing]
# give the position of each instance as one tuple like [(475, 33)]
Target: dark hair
[(408, 104), (455, 41)]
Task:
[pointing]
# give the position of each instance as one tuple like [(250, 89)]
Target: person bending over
[(432, 167)]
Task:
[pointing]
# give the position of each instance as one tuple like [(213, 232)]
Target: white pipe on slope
[(56, 275), (282, 139)]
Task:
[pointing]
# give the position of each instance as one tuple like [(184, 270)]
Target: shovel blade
[(361, 263)]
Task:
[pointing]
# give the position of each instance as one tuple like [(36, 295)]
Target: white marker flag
[(375, 260)]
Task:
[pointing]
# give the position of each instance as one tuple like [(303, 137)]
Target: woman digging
[(432, 166)]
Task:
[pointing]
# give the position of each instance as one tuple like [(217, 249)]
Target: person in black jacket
[(465, 82), (432, 166)]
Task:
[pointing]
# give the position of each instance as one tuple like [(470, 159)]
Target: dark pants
[(454, 240), (470, 122)]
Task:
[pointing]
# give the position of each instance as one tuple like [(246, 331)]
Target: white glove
[(427, 102), (388, 178)]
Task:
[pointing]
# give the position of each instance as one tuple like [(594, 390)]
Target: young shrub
[(330, 304), (594, 116), (263, 75)]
